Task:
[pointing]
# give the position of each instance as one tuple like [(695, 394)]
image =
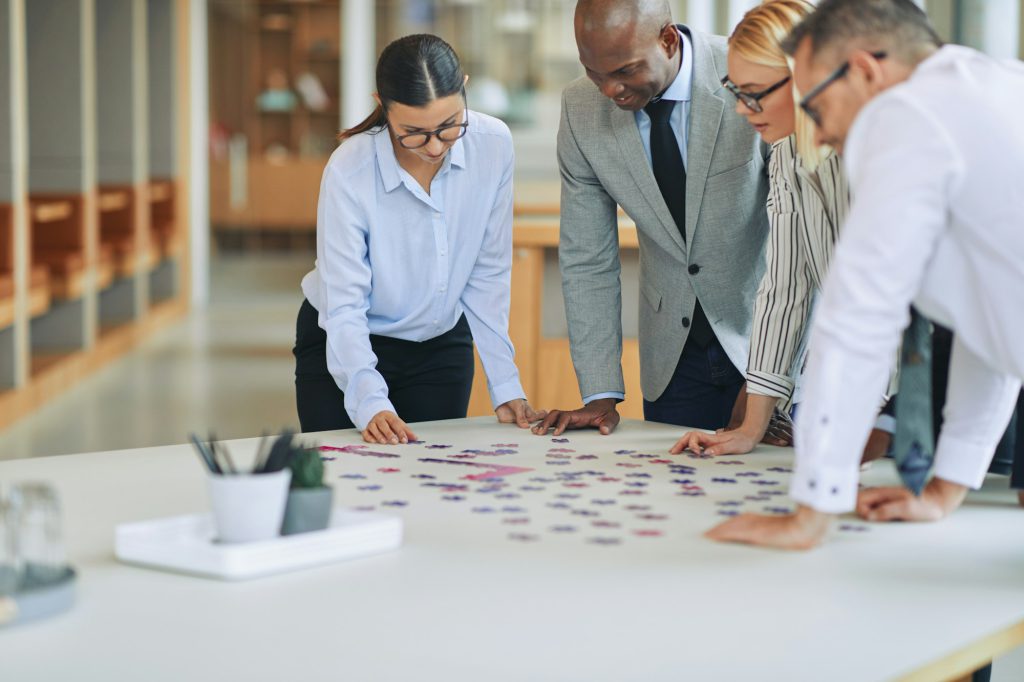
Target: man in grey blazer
[(701, 219)]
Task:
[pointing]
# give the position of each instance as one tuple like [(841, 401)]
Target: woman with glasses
[(414, 252), (807, 203)]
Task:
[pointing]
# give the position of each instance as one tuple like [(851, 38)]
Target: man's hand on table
[(520, 413), (598, 414), (803, 530), (938, 499)]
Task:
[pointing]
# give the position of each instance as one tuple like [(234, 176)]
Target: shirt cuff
[(886, 422), (961, 461), (827, 489), (369, 409), (765, 383), (619, 397), (509, 390)]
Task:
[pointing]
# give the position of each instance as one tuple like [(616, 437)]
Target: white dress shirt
[(935, 167), (679, 91), (396, 261)]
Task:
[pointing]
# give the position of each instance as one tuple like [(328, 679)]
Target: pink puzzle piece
[(356, 450)]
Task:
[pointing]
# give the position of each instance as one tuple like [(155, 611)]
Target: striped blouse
[(805, 211)]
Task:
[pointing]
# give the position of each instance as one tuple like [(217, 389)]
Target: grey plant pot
[(308, 509)]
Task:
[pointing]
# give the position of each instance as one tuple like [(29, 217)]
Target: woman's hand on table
[(803, 530), (938, 499), (739, 441), (520, 413), (598, 414), (736, 442), (387, 428)]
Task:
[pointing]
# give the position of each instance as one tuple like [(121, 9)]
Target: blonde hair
[(758, 38)]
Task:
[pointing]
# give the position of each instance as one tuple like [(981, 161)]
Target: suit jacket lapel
[(706, 110), (635, 159)]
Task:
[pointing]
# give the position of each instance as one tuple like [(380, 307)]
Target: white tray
[(186, 544)]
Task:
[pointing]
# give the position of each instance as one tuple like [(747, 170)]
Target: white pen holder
[(248, 507)]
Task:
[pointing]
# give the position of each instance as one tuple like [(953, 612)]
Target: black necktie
[(670, 173), (667, 161)]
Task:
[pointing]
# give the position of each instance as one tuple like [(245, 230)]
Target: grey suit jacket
[(602, 163)]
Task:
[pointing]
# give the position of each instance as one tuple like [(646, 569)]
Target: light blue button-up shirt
[(679, 91), (396, 261)]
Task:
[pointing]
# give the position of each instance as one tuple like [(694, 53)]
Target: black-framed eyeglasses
[(752, 100), (805, 103), (444, 133)]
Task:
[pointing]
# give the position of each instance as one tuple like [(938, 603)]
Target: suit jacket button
[(686, 322), (694, 269)]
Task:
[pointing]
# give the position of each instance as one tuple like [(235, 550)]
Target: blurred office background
[(159, 168)]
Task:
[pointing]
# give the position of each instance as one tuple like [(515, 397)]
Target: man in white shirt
[(934, 148)]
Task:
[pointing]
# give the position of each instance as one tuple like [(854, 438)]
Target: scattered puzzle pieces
[(481, 481)]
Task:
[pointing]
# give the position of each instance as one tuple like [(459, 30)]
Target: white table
[(462, 601)]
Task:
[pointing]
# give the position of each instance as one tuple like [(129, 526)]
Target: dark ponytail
[(414, 71)]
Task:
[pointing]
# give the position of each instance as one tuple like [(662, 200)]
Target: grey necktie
[(914, 444)]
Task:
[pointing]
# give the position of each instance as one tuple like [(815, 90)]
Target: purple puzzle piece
[(604, 541), (523, 537)]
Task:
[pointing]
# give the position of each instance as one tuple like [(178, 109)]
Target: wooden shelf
[(118, 254), (82, 247), (160, 190), (58, 242), (48, 360), (6, 300), (110, 201), (51, 211), (6, 267), (243, 55), (163, 234), (39, 298), (105, 269)]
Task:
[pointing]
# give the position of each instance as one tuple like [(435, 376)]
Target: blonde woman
[(807, 203)]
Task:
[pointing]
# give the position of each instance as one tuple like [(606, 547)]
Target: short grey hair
[(898, 27)]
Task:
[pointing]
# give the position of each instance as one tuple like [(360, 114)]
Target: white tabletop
[(465, 600)]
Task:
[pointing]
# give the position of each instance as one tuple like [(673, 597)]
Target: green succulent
[(307, 469)]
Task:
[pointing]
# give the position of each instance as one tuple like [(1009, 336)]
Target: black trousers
[(702, 391), (426, 380)]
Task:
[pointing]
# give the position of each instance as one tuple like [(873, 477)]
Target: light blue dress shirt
[(679, 91), (396, 261)]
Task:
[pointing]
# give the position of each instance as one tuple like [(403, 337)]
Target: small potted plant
[(309, 500)]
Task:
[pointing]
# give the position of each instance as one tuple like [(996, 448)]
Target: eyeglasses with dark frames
[(805, 103), (444, 133), (752, 100)]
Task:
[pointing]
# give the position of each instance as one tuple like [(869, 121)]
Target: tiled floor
[(228, 368)]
